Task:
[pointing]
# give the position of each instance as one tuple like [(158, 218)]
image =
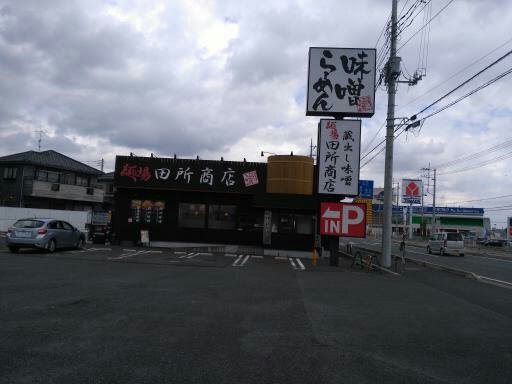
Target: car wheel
[(441, 252), (429, 250), (13, 249), (52, 245), (80, 243)]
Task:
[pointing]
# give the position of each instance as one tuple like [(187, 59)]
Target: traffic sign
[(343, 219), (366, 189)]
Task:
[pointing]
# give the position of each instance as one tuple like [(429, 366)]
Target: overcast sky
[(228, 78)]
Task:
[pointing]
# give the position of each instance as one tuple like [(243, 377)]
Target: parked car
[(446, 243), (48, 234)]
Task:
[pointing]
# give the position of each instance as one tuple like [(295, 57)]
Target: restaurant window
[(304, 224), (221, 216), (192, 215), (146, 211), (10, 173)]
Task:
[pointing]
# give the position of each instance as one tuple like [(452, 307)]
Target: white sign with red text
[(343, 219)]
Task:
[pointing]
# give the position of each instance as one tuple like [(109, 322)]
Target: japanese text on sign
[(341, 81), (338, 161)]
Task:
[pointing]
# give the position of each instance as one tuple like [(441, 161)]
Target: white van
[(446, 243)]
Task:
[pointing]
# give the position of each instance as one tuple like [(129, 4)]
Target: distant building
[(49, 180)]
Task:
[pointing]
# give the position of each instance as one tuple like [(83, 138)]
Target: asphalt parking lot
[(118, 315)]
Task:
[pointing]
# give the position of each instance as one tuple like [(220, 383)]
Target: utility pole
[(434, 205), (102, 164), (392, 70)]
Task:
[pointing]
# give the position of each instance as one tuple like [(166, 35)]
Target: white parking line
[(129, 255), (244, 261), (241, 260), (129, 250), (280, 258), (292, 263), (230, 255), (301, 266), (257, 257), (486, 257), (188, 255), (193, 255), (205, 254), (235, 263), (180, 253)]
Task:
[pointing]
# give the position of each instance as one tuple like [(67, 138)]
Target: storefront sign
[(339, 144), (341, 81), (368, 203), (411, 191), (185, 174), (267, 227), (343, 219)]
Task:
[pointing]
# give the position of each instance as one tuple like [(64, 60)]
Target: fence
[(9, 215)]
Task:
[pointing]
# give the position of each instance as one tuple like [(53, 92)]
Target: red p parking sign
[(343, 219)]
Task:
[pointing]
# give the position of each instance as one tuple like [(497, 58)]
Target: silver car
[(48, 234)]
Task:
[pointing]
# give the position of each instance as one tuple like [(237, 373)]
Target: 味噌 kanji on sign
[(343, 219), (341, 81), (411, 191)]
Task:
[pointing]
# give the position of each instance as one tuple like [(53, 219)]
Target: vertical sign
[(341, 81), (267, 227), (509, 229), (339, 144), (411, 191)]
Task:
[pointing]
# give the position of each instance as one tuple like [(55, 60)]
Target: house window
[(192, 215), (42, 175), (83, 181), (10, 173), (68, 178), (53, 177), (221, 216)]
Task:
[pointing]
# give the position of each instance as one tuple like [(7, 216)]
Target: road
[(489, 267), (122, 315)]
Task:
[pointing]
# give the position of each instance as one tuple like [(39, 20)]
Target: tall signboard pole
[(392, 68)]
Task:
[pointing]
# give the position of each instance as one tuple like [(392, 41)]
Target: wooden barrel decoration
[(290, 174)]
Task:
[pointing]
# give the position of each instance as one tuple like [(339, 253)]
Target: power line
[(479, 165), (507, 72), (432, 18), (467, 81), (487, 198), (457, 73), (473, 156)]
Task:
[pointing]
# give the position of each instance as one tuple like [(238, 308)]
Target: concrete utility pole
[(393, 69), (434, 205)]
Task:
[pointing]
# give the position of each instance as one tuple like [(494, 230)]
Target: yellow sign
[(368, 203)]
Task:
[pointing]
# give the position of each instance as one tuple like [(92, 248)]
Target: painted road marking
[(205, 254), (192, 255), (301, 266), (257, 257), (129, 255), (235, 263), (180, 253), (129, 250), (241, 260), (188, 255), (486, 257), (280, 258), (230, 255), (298, 266)]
